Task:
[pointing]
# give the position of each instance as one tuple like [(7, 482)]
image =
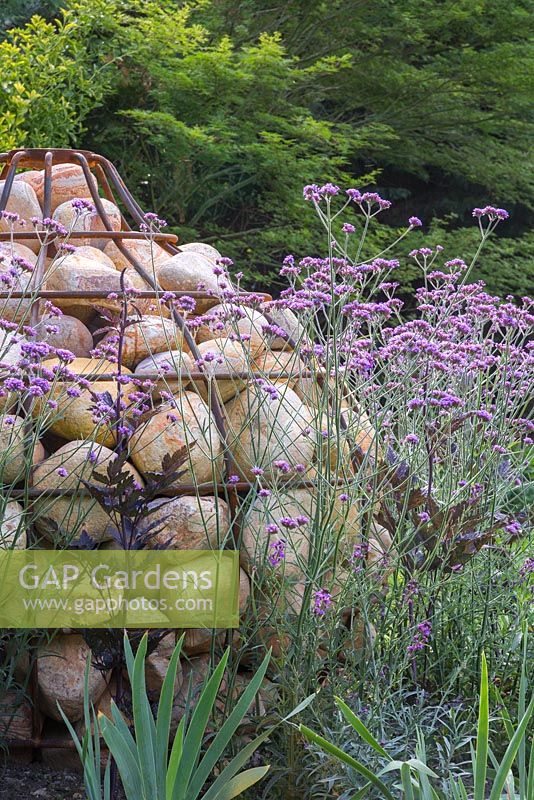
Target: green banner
[(119, 589)]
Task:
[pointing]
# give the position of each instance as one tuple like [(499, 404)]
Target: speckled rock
[(263, 430), (236, 322), (147, 336), (16, 716), (149, 254), (189, 424), (198, 641), (289, 322), (73, 418), (22, 201), (68, 183), (63, 518), (94, 254), (10, 249), (358, 640), (33, 177), (189, 523), (157, 664), (381, 553), (13, 534), (18, 309), (10, 354), (206, 250), (70, 334), (196, 675), (87, 221), (76, 273), (13, 459), (268, 362), (221, 356), (317, 512), (61, 677), (186, 272), (174, 366)]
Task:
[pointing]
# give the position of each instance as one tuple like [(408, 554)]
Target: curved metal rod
[(10, 177), (127, 198)]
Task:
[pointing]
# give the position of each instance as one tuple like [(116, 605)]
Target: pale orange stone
[(70, 515), (22, 201), (88, 221), (68, 184), (62, 666), (262, 430), (189, 424), (73, 419)]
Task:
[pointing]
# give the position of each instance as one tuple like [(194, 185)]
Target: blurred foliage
[(218, 112)]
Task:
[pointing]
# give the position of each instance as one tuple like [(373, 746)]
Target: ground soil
[(28, 781)]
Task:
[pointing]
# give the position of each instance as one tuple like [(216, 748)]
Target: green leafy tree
[(51, 79), (218, 112)]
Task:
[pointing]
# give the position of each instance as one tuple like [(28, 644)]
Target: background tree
[(218, 112)]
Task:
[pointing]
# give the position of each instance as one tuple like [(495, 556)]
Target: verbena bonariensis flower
[(322, 600), (421, 636), (277, 552), (445, 390)]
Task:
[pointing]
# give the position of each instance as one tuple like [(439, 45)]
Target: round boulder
[(73, 417), (148, 253), (76, 273), (268, 424), (288, 321), (245, 325), (68, 184), (23, 201), (206, 250), (62, 519), (94, 254), (10, 355), (14, 444), (87, 221), (188, 523), (13, 534), (147, 336), (221, 357), (67, 333), (189, 272), (174, 367), (62, 666), (188, 424)]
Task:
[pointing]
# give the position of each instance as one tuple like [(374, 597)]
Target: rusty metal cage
[(115, 190)]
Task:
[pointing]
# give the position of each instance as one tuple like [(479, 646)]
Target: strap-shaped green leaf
[(242, 782), (328, 747), (163, 721), (126, 763), (122, 727), (481, 755), (246, 752), (174, 760), (197, 728), (145, 729), (361, 729), (510, 754), (226, 732)]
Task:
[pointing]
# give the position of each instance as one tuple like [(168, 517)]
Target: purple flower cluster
[(492, 213), (277, 552), (421, 637), (322, 600)]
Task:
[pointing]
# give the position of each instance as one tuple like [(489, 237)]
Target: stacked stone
[(269, 422)]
